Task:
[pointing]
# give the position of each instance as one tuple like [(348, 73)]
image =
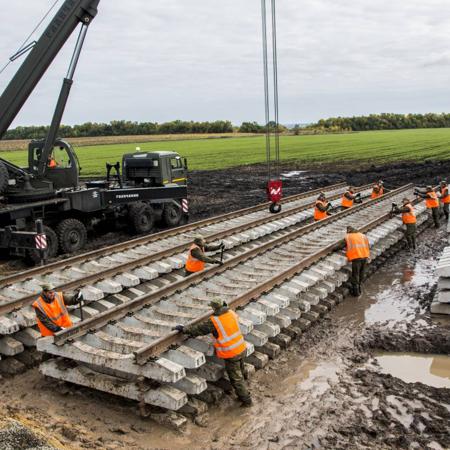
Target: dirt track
[(325, 391)]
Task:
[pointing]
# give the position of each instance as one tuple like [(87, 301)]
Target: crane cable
[(25, 47), (275, 89)]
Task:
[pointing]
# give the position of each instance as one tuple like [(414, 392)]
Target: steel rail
[(16, 304), (154, 237), (154, 297)]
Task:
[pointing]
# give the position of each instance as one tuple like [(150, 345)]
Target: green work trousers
[(358, 267), (236, 373), (435, 215), (446, 210), (410, 235)]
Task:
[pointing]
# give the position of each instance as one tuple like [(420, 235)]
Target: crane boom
[(68, 17)]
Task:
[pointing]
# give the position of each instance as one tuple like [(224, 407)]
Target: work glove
[(329, 206), (179, 328), (80, 297), (222, 245)]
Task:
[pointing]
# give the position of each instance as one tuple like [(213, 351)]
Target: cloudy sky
[(160, 60)]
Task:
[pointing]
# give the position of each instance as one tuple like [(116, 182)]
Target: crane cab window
[(175, 163), (59, 158)]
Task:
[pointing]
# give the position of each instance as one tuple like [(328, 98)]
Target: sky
[(161, 60)]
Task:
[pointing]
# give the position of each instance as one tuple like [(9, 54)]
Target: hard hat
[(351, 229), (406, 200), (216, 304), (199, 239), (429, 188), (48, 287), (444, 182)]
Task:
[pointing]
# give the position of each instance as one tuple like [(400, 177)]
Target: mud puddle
[(432, 370)]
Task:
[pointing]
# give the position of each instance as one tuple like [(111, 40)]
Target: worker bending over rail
[(409, 220), (349, 198), (378, 190), (197, 259), (431, 201), (358, 252), (51, 312), (445, 199), (229, 344), (322, 208)]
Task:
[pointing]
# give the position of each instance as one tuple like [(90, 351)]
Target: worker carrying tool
[(445, 198), (229, 344), (322, 208), (197, 259), (409, 220), (358, 252), (377, 189), (431, 201), (349, 198), (51, 311)]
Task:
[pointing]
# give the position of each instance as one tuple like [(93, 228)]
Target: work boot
[(353, 291), (246, 403)]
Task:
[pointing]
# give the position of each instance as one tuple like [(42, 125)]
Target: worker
[(51, 312), (197, 259), (349, 198), (431, 201), (229, 344), (409, 219), (358, 252), (52, 162), (445, 199), (377, 190), (321, 208)]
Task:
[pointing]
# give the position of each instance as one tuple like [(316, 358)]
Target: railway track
[(144, 263), (280, 282)]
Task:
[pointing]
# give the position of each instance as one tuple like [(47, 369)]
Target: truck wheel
[(4, 177), (33, 257), (72, 235), (172, 215), (142, 217)]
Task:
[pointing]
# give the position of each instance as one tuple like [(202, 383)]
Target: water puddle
[(433, 370), (293, 174)]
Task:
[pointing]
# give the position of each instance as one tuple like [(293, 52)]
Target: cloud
[(166, 59)]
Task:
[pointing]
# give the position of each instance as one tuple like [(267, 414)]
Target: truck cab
[(158, 168)]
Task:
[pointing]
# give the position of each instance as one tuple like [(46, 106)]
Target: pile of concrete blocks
[(441, 301)]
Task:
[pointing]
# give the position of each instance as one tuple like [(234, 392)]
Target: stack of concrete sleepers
[(441, 301)]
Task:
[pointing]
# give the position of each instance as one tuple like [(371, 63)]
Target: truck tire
[(142, 217), (172, 214), (4, 177), (33, 257), (72, 235)]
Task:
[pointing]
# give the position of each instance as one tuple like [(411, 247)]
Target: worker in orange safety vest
[(229, 344), (349, 198), (358, 253), (51, 311), (445, 199), (321, 208), (377, 190), (409, 220), (431, 201), (196, 259)]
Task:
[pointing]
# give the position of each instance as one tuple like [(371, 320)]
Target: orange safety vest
[(357, 246), (432, 200), (55, 311), (230, 342), (346, 203), (318, 214), (409, 217), (445, 196), (376, 194), (193, 264)]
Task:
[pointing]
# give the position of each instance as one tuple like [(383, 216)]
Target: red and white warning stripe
[(275, 191), (41, 241), (185, 205)]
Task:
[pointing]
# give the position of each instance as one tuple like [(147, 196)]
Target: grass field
[(366, 147)]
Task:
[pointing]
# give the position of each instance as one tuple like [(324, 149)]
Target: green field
[(365, 147)]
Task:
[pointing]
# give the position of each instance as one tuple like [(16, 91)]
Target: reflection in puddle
[(293, 174), (433, 370)]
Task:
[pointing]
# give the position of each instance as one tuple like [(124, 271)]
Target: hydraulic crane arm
[(68, 17)]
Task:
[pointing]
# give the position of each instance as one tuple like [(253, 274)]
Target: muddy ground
[(325, 392)]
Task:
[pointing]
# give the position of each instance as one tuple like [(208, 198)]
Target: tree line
[(385, 121), (123, 128)]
